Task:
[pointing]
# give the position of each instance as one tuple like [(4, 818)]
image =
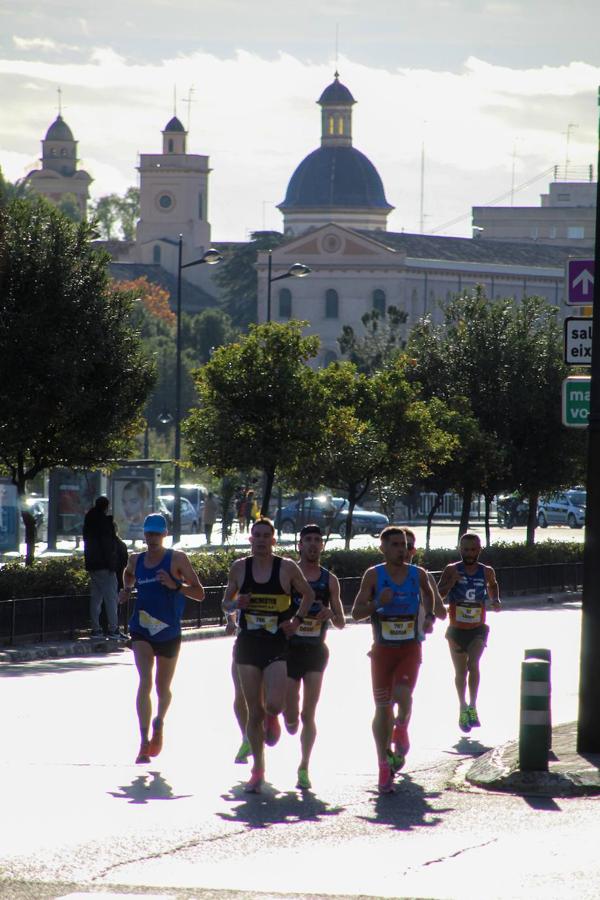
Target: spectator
[(101, 561), (209, 515)]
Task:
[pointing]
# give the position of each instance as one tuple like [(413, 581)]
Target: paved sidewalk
[(570, 774)]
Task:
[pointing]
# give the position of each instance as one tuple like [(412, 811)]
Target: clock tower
[(173, 201)]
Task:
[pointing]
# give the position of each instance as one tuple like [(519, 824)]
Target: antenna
[(570, 126), (174, 99), (512, 179), (337, 42), (59, 92), (189, 102)]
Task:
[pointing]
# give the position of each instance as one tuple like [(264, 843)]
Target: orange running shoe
[(156, 741), (272, 730), (144, 753), (386, 778), (254, 785)]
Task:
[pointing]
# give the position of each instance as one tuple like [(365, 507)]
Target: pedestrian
[(251, 509), (467, 585), (101, 561), (241, 513), (209, 515), (391, 594), (163, 578), (308, 653), (260, 587)]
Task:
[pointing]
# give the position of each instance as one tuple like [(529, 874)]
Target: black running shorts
[(260, 651), (309, 656), (463, 637), (168, 649)]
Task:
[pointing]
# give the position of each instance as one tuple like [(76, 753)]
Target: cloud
[(257, 118), (46, 44)]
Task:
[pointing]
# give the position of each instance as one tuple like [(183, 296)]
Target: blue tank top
[(466, 599), (158, 610), (396, 622), (311, 629)]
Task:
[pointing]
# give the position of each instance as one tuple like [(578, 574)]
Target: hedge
[(67, 575)]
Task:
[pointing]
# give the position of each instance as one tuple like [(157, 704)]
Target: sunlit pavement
[(76, 809)]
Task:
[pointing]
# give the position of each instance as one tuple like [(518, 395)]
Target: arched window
[(170, 145), (156, 254), (331, 125), (285, 303), (63, 151), (379, 301), (340, 125), (331, 304)]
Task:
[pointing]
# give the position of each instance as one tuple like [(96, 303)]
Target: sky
[(483, 97)]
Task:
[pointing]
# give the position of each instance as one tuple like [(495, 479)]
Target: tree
[(112, 211), (129, 212), (204, 332), (74, 374), (238, 281), (69, 207), (381, 342), (255, 404)]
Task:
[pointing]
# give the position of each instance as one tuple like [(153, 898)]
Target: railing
[(67, 617)]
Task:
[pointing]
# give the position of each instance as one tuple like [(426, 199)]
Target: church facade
[(59, 176)]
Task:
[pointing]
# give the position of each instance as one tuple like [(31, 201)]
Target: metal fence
[(63, 617)]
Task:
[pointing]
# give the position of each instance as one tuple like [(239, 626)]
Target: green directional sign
[(576, 400)]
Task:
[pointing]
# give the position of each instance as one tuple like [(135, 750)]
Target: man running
[(467, 585), (308, 653), (391, 593), (259, 586), (240, 707), (163, 578)]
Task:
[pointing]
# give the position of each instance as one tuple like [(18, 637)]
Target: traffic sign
[(580, 281), (576, 400), (578, 341)]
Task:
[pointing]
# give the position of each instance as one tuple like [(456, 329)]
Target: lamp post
[(211, 257), (298, 270)]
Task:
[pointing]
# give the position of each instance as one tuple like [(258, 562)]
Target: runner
[(259, 586), (390, 593), (400, 741), (308, 653), (240, 707), (163, 578), (467, 585)]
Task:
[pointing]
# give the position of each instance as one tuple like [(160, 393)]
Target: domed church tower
[(59, 175), (335, 183)]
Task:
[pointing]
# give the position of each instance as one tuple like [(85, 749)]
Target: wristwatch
[(178, 585)]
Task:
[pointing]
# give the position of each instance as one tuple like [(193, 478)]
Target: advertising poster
[(76, 492), (132, 501), (9, 517)]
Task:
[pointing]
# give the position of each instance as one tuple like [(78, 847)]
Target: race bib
[(256, 622), (151, 624), (309, 628), (468, 615), (398, 629)]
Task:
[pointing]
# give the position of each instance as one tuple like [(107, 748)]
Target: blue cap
[(155, 523)]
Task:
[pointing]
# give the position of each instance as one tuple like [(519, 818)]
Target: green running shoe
[(464, 722), (244, 752), (396, 760), (303, 780), (473, 717)]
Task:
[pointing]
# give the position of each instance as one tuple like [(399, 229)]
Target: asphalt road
[(78, 815)]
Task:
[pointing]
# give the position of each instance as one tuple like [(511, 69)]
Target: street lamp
[(298, 270), (211, 257)]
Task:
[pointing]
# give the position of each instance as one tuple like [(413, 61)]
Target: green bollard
[(535, 715), (544, 653)]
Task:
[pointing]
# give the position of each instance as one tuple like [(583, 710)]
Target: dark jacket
[(99, 541), (122, 559)]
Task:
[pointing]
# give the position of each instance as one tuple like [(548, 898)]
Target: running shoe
[(254, 785), (156, 741), (386, 778), (144, 754), (272, 730), (97, 635), (396, 760), (473, 717), (464, 722), (303, 780), (244, 752), (400, 739)]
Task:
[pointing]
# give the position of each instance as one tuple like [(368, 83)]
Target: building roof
[(193, 298), (59, 131), (174, 125), (455, 249), (336, 178), (336, 92)]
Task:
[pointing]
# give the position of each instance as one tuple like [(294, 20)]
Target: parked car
[(322, 510), (512, 510), (189, 516), (563, 508), (195, 493)]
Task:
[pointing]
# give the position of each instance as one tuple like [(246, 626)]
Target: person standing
[(260, 587), (163, 578), (209, 515), (391, 594), (308, 653), (468, 585), (101, 561)]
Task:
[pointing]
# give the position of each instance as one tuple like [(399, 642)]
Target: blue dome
[(174, 125), (59, 131), (336, 92), (337, 177)]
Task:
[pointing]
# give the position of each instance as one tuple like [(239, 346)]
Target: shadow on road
[(147, 787), (272, 808), (54, 667), (407, 808), (468, 747)]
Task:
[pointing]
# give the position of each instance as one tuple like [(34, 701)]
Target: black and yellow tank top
[(269, 604)]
